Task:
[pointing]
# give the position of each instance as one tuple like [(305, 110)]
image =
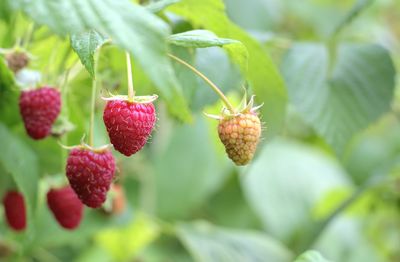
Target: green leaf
[(8, 96), (130, 26), (341, 97), (228, 78), (85, 45), (205, 38), (311, 256), (5, 13), (374, 151), (21, 162), (158, 6), (125, 242), (196, 178), (229, 208), (345, 239), (199, 39), (358, 7), (290, 179), (261, 72), (7, 84), (210, 243)]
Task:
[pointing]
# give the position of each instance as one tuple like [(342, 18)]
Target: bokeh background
[(326, 173)]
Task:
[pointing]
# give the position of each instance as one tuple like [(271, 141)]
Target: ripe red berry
[(90, 174), (65, 206), (15, 211), (129, 124), (39, 109)]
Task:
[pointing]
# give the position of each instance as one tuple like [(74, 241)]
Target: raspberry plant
[(123, 136)]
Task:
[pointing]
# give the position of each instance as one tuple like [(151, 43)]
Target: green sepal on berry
[(240, 131), (244, 108), (85, 146), (134, 99)]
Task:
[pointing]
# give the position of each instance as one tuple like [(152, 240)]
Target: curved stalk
[(93, 102), (208, 81)]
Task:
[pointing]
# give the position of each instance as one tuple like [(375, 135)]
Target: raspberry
[(39, 109), (240, 135), (65, 206), (129, 124), (14, 207), (90, 174), (17, 60), (119, 201)]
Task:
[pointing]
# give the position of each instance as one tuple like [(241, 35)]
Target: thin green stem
[(93, 102), (28, 35), (17, 44), (50, 77), (208, 81), (62, 64), (131, 91), (358, 7), (64, 112)]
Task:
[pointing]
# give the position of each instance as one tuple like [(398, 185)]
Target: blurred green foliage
[(325, 183)]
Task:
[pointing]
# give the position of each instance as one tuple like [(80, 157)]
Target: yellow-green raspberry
[(240, 135)]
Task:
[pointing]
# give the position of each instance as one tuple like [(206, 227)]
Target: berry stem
[(28, 35), (93, 102), (131, 91), (208, 81)]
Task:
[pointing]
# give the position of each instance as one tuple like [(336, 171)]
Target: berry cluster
[(129, 121)]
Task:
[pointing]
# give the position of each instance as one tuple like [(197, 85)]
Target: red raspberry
[(39, 109), (129, 124), (90, 174), (66, 207), (14, 207)]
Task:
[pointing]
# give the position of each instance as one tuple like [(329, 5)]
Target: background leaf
[(209, 243), (130, 26), (196, 178), (158, 6), (290, 178), (262, 74), (124, 243), (204, 38), (311, 256), (199, 39), (341, 100), (21, 162), (8, 95), (85, 45)]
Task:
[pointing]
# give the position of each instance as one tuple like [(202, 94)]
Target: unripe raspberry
[(17, 60), (240, 135)]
